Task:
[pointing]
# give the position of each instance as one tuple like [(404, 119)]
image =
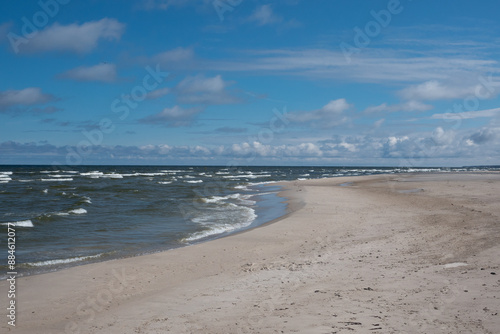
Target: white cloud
[(264, 15), (405, 106), (75, 38), (24, 97), (173, 56), (484, 135), (435, 90), (468, 114), (155, 94), (100, 72), (372, 66), (202, 90), (332, 114), (173, 117)]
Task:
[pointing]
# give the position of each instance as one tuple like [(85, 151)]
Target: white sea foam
[(112, 176), (150, 174), (57, 180), (79, 211), (5, 173), (252, 176), (25, 180), (243, 216), (214, 199), (21, 223), (260, 183), (196, 181), (62, 261), (87, 199), (164, 182), (93, 175)]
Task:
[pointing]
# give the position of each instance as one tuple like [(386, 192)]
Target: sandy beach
[(376, 254)]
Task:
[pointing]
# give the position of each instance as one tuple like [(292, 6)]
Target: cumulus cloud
[(24, 97), (101, 72), (435, 90), (484, 135), (76, 38), (173, 117), (202, 90), (332, 114)]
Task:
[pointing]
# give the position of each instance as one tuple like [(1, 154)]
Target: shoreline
[(289, 275)]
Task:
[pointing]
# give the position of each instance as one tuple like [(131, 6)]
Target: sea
[(86, 214)]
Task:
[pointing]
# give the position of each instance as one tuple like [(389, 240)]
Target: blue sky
[(248, 82)]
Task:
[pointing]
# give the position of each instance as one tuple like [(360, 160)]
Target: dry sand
[(383, 254)]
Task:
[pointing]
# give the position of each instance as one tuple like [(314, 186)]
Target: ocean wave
[(240, 198), (57, 180), (196, 181), (164, 182), (112, 176), (214, 199), (244, 216), (260, 183), (87, 199), (79, 211), (25, 180), (21, 223), (93, 175), (61, 261), (5, 173), (252, 176)]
